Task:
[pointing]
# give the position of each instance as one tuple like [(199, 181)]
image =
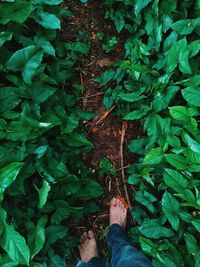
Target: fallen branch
[(124, 127)]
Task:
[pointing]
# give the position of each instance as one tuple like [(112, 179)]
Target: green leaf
[(78, 47), (89, 189), (119, 21), (40, 92), (191, 143), (178, 54), (186, 26), (145, 198), (171, 209), (36, 238), (5, 36), (106, 167), (191, 243), (137, 114), (105, 77), (153, 229), (18, 11), (154, 156), (175, 180), (26, 60), (8, 175), (131, 97), (177, 161), (14, 244), (8, 98), (191, 95), (194, 48), (77, 140), (139, 5), (47, 20), (57, 261), (5, 261), (48, 2), (43, 194)]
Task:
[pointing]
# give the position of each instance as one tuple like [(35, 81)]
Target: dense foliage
[(157, 83), (44, 186)]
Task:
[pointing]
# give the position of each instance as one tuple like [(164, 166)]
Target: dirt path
[(109, 136)]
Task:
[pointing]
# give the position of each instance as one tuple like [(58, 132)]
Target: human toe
[(113, 202)]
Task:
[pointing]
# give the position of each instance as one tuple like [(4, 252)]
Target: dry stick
[(105, 115), (88, 96), (122, 164)]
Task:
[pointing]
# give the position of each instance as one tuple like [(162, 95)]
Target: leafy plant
[(42, 174), (158, 84)]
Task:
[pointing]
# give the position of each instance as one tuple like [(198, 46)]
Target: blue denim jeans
[(123, 254)]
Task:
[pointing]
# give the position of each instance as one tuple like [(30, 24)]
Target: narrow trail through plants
[(108, 135)]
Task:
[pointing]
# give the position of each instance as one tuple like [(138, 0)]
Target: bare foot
[(88, 246), (118, 212)]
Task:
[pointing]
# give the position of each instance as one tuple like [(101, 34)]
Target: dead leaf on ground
[(104, 62)]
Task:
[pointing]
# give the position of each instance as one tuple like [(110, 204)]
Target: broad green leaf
[(18, 11), (26, 60), (77, 140), (192, 144), (153, 229), (191, 243), (57, 261), (78, 47), (177, 161), (171, 209), (40, 92), (46, 45), (54, 233), (8, 98), (5, 261), (89, 189), (106, 77), (137, 114), (139, 5), (47, 20), (154, 156), (185, 26), (36, 239), (194, 48), (43, 194), (48, 2), (15, 245), (178, 54), (145, 198), (162, 100), (175, 180), (8, 175), (151, 248), (119, 21), (191, 95), (131, 97), (5, 36), (105, 166)]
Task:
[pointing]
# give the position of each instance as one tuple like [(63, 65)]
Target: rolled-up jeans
[(122, 252)]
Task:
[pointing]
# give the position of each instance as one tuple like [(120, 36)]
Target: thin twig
[(124, 127), (118, 186), (88, 96), (105, 115), (125, 167), (81, 78)]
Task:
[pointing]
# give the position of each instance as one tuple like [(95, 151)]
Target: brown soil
[(105, 130)]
